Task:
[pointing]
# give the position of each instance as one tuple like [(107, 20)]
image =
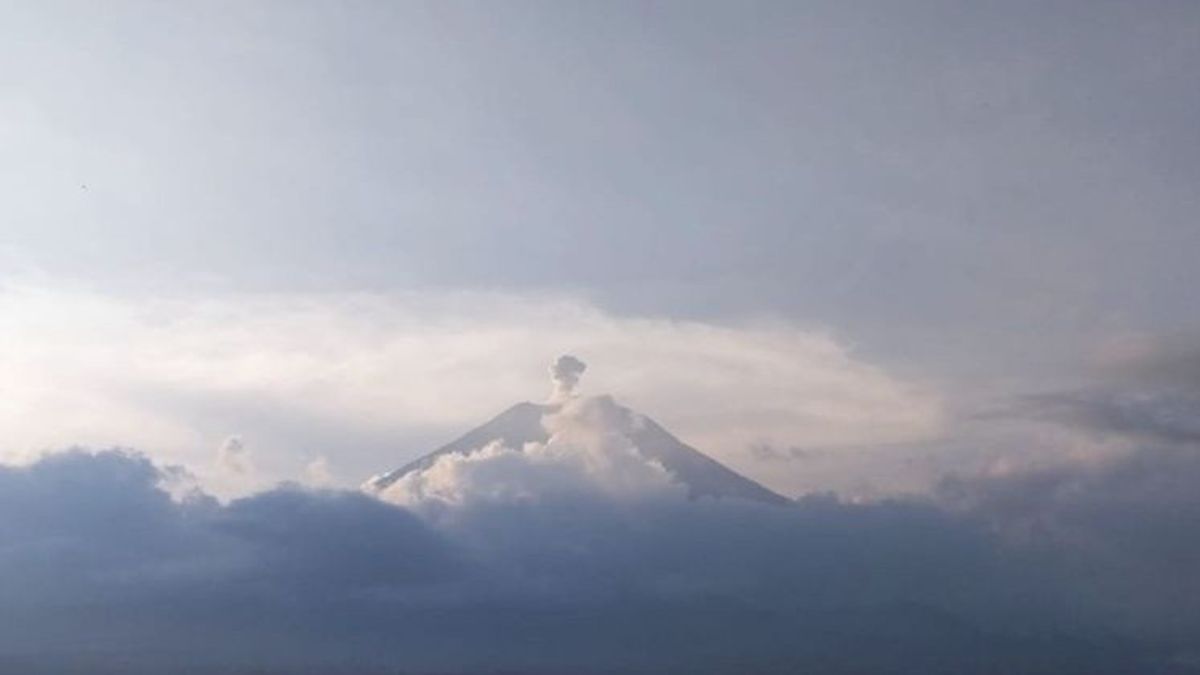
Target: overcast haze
[(925, 264), (897, 169)]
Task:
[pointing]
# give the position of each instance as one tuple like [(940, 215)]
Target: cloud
[(93, 545), (1137, 399), (1122, 531), (366, 379), (1097, 488), (318, 473), (1164, 361), (592, 580), (233, 457), (1155, 416), (586, 454)]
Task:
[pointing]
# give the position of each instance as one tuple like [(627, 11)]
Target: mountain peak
[(532, 425)]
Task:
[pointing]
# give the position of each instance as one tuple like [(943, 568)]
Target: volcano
[(526, 422)]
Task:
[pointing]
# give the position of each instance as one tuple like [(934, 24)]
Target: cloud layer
[(577, 555), (1069, 550), (370, 381)]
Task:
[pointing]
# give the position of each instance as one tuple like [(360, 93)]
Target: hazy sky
[(972, 199), (927, 267)]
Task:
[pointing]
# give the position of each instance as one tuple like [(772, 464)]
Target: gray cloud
[(1123, 533), (924, 176), (294, 578), (971, 195), (565, 373), (1156, 415)]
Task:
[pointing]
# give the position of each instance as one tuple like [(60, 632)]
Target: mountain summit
[(533, 423)]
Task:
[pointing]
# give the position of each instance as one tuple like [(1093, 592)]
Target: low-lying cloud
[(585, 455), (1072, 550), (106, 571)]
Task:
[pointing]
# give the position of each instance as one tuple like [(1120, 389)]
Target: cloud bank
[(578, 555), (1074, 553), (368, 381)]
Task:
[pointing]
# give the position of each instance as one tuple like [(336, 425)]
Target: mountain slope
[(523, 423)]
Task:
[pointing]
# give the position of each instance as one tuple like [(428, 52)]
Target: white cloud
[(585, 456), (318, 473), (233, 457), (383, 378)]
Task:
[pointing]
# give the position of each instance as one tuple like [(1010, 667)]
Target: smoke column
[(564, 373)]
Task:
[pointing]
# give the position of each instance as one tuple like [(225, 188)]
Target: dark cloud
[(1162, 361), (1145, 387), (1156, 415), (105, 572), (1122, 533), (771, 453), (1117, 528), (102, 567)]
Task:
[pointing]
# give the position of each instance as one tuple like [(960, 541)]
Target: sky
[(925, 264), (972, 203)]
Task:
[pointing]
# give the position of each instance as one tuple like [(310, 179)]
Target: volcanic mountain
[(526, 423)]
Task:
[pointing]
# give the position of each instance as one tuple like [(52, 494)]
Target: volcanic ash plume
[(565, 372)]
